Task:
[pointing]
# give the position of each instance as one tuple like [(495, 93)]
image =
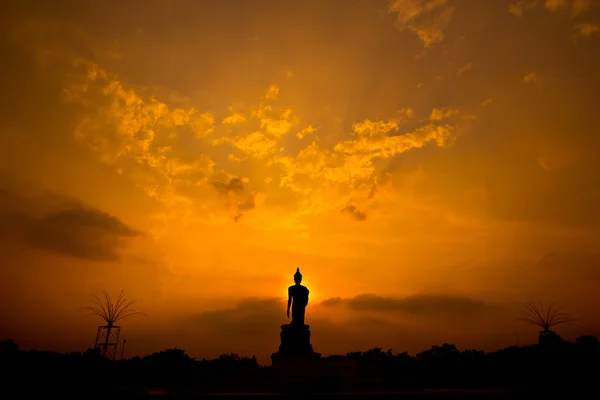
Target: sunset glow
[(429, 165)]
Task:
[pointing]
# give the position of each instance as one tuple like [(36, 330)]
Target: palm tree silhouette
[(545, 318), (110, 311)]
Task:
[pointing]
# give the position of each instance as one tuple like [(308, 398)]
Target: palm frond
[(110, 311), (544, 318)]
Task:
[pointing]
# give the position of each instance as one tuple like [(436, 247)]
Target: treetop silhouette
[(110, 311), (544, 318)]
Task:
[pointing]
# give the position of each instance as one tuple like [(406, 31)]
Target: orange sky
[(429, 165)]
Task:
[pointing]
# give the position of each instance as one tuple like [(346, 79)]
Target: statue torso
[(299, 293)]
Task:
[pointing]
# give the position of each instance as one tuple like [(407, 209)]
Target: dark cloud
[(252, 317), (369, 320), (354, 212), (77, 218), (253, 327), (571, 263), (247, 205), (237, 197), (63, 226), (334, 301), (235, 185), (420, 304), (255, 317)]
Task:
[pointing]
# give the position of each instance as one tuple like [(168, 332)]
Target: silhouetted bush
[(563, 364)]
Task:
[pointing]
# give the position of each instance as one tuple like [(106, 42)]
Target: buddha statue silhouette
[(295, 336), (297, 299)]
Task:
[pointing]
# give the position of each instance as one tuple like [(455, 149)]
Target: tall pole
[(123, 348)]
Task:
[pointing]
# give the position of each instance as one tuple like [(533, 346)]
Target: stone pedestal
[(295, 345), (296, 364)]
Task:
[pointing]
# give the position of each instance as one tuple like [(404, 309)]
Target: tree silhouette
[(110, 311), (545, 318)]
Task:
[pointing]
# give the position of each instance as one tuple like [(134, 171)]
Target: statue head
[(297, 276)]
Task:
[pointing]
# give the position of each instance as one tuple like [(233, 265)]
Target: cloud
[(331, 302), (196, 167), (280, 125), (253, 325), (234, 119), (252, 317), (585, 30), (428, 19), (235, 185), (202, 124), (191, 153), (534, 78), (236, 196), (438, 114), (520, 6), (69, 228), (148, 141), (572, 263), (352, 163), (121, 126), (354, 212), (464, 68), (309, 130), (371, 321), (577, 7), (426, 305), (255, 144), (138, 135), (554, 5), (259, 315), (272, 92), (580, 6), (376, 144), (121, 123)]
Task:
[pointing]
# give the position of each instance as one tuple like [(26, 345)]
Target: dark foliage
[(540, 368)]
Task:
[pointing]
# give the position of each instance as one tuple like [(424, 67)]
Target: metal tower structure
[(123, 348), (107, 340), (107, 336)]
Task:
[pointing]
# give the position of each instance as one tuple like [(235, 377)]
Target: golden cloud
[(272, 92), (554, 5), (576, 7), (586, 30), (438, 114), (533, 78), (122, 127), (520, 6), (255, 144), (309, 130), (234, 119), (580, 7), (428, 19)]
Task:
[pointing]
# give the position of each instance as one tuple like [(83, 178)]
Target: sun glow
[(420, 158)]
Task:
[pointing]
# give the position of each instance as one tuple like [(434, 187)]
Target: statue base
[(296, 364), (295, 345)]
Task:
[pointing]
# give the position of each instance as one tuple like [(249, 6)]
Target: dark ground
[(406, 395), (552, 370)]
